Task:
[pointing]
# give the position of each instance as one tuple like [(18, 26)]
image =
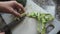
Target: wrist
[(1, 4)]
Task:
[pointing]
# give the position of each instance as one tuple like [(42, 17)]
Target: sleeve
[(23, 2)]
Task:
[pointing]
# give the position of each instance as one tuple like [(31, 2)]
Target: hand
[(2, 33), (11, 7)]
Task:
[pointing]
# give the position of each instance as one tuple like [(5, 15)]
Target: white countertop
[(28, 26)]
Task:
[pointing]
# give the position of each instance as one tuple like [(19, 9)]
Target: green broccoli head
[(43, 18)]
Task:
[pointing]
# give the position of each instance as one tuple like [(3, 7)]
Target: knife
[(16, 21), (11, 25)]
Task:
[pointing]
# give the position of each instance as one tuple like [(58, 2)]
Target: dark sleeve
[(23, 2)]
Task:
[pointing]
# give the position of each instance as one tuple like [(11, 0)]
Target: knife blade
[(16, 21)]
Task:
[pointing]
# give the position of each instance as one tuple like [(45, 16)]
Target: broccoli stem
[(43, 29), (38, 27)]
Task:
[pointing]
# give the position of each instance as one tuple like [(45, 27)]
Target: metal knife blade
[(17, 21)]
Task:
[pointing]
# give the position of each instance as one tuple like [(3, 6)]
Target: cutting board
[(28, 26)]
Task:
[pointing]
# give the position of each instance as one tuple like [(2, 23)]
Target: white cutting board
[(28, 26)]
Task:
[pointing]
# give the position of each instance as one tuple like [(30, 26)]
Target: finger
[(14, 12), (11, 11), (20, 6)]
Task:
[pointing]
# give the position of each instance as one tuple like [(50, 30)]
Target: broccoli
[(42, 18)]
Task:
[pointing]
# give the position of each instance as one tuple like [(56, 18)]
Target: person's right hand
[(11, 7)]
